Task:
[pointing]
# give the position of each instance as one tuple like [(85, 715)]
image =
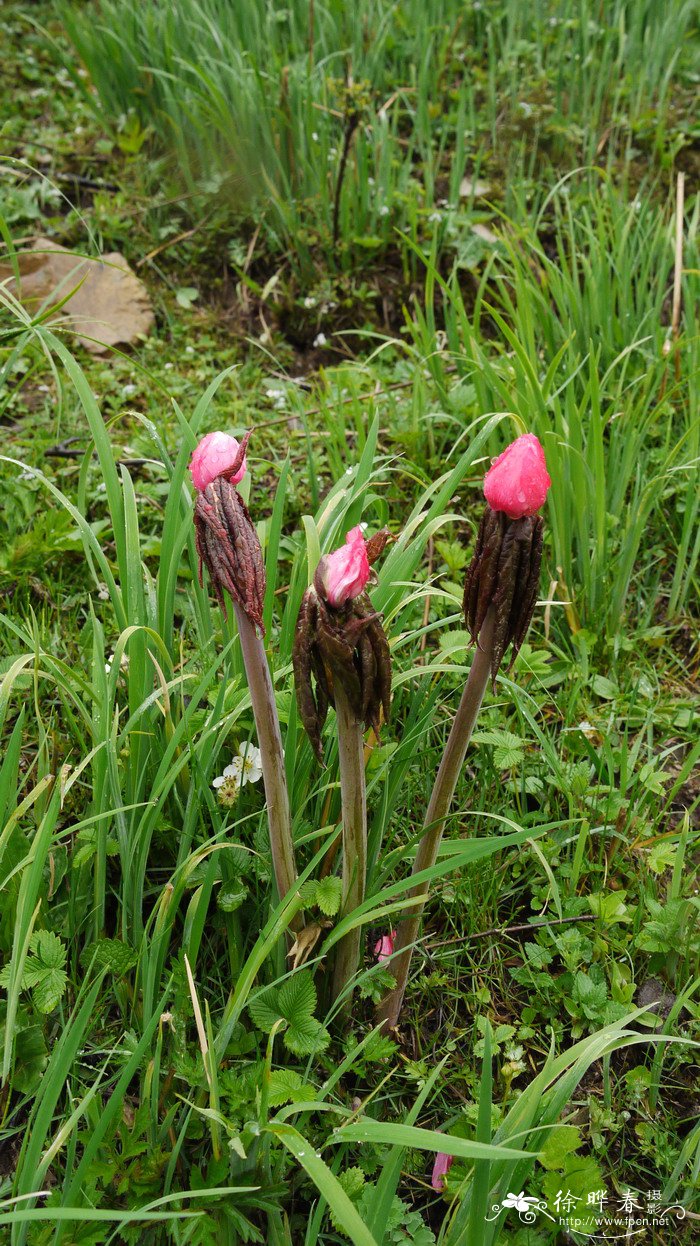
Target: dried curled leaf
[(504, 573), (228, 547), (340, 647)]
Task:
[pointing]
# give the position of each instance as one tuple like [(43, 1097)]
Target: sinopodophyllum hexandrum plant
[(150, 753), (341, 657)]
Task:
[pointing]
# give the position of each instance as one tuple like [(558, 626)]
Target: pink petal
[(441, 1167), (384, 947), (215, 454), (517, 482), (345, 572)]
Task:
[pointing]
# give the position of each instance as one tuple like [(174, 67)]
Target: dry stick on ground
[(351, 124), (436, 816), (171, 242), (503, 931)]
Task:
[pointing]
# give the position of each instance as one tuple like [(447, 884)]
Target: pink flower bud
[(517, 482), (384, 947), (441, 1167), (344, 573), (216, 454)]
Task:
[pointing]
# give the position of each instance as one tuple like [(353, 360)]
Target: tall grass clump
[(172, 1069), (574, 334), (331, 125)]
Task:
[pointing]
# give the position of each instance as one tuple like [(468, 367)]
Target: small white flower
[(103, 592), (250, 759), (227, 793), (26, 475), (128, 390), (435, 217), (274, 393), (189, 350), (384, 211), (233, 771), (168, 366), (314, 136), (370, 181), (320, 339), (123, 662), (310, 301)]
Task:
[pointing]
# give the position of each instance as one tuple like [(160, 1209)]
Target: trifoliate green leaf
[(297, 998), (307, 1037), (48, 949), (111, 954), (43, 971), (264, 1011), (293, 1002), (49, 989), (560, 1142), (231, 897), (353, 1182), (286, 1086), (307, 891), (329, 893)]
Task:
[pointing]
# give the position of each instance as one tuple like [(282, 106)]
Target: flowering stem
[(436, 816), (262, 697), (354, 813)]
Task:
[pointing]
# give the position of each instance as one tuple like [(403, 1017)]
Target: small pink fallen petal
[(441, 1167), (345, 572), (384, 947), (213, 456), (517, 482)]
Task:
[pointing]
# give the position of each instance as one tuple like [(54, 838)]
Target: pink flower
[(344, 573), (384, 947), (517, 482), (216, 454), (441, 1167)]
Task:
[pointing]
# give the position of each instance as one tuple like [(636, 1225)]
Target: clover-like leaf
[(112, 954), (264, 1011), (287, 1086), (295, 1003), (307, 1037), (297, 997), (43, 971), (329, 893)]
